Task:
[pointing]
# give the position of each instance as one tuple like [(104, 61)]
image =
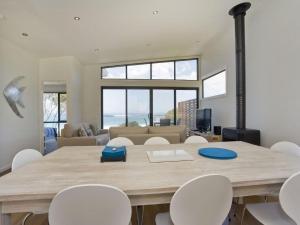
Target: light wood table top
[(257, 170)]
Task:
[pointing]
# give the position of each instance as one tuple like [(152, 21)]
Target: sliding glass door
[(138, 107), (130, 106), (163, 105), (114, 108)]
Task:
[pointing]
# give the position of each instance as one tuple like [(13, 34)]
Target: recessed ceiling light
[(155, 12), (25, 34), (76, 18)]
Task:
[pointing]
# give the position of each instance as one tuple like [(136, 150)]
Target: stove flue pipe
[(239, 13)]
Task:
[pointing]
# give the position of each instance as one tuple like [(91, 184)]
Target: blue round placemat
[(217, 153)]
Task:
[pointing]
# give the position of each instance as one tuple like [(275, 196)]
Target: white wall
[(91, 87), (65, 69), (15, 133), (272, 43)]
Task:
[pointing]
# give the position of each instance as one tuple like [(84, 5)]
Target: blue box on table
[(113, 154)]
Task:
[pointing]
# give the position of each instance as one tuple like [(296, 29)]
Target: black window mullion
[(58, 125), (174, 62), (101, 119), (151, 106), (126, 106), (151, 71), (175, 106), (58, 100)]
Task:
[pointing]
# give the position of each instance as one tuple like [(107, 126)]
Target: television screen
[(203, 120)]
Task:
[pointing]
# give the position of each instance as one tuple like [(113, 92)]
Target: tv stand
[(209, 136)]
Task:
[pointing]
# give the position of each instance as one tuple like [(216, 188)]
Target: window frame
[(126, 71), (107, 67), (151, 62), (150, 88), (59, 121), (210, 76)]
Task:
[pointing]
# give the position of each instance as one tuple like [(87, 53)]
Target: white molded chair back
[(205, 200), (24, 157), (195, 140), (286, 147), (120, 141), (157, 141), (289, 197), (90, 205)]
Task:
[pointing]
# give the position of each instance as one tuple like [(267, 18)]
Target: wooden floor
[(149, 215)]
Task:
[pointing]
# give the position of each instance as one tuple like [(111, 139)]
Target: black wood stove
[(240, 132)]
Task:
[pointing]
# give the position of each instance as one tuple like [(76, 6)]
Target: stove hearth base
[(247, 135)]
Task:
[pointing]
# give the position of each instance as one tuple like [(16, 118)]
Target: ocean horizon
[(114, 120)]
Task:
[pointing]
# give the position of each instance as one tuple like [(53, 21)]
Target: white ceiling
[(122, 29)]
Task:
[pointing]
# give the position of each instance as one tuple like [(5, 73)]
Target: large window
[(163, 105), (141, 71), (116, 72), (214, 85), (163, 70), (55, 110), (131, 106), (114, 107), (185, 69), (138, 107)]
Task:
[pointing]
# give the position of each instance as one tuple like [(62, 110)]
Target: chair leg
[(235, 204), (140, 214), (26, 217), (243, 214)]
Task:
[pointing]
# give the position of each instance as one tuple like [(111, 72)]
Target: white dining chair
[(157, 141), (21, 159), (24, 157), (195, 140), (286, 147), (286, 212), (205, 200), (120, 141), (90, 204)]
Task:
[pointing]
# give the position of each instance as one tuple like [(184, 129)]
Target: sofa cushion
[(68, 130), (169, 129), (102, 139), (87, 128), (140, 139), (115, 131), (82, 132), (94, 129)]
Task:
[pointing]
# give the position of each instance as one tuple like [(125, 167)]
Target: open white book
[(169, 156)]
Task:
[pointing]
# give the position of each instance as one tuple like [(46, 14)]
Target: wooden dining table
[(256, 171)]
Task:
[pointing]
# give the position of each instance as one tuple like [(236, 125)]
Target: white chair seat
[(163, 219), (269, 214)]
